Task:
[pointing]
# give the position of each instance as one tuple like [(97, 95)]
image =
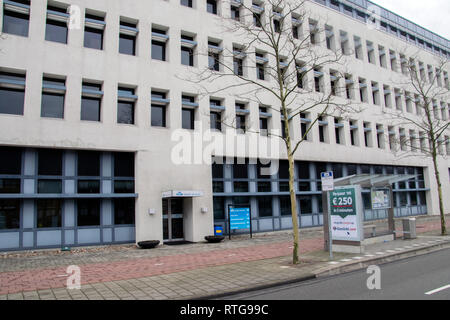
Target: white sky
[(433, 15)]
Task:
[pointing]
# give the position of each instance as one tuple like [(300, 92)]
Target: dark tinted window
[(9, 185), (123, 164), (90, 109), (16, 23), (88, 212), (56, 31), (217, 170), (124, 211), (305, 205), (284, 169), (265, 206), (187, 56), (48, 213), (49, 186), (88, 186), (93, 38), (10, 160), (187, 3), (125, 112), (285, 205), (124, 186), (50, 162), (127, 44), (218, 208), (158, 50), (216, 121), (158, 116), (188, 119), (52, 105), (11, 101), (211, 6), (88, 163), (240, 171), (9, 214)]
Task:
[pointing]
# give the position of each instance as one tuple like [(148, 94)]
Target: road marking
[(408, 247), (333, 262), (416, 245), (357, 258), (379, 253), (345, 260), (399, 249), (390, 251), (438, 289), (369, 255)]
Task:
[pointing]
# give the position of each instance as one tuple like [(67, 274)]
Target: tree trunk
[(295, 259), (441, 203)]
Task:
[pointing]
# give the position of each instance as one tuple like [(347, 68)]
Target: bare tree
[(426, 119), (272, 46)]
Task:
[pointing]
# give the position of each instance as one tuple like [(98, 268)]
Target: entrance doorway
[(173, 220)]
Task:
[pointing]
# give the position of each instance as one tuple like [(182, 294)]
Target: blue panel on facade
[(69, 237), (28, 239), (86, 236), (265, 225), (69, 213), (306, 220), (29, 162), (106, 186), (107, 235), (48, 238), (28, 186), (106, 211), (28, 214), (69, 186), (286, 223), (9, 240), (124, 234)]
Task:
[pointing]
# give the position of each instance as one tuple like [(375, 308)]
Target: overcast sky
[(433, 15)]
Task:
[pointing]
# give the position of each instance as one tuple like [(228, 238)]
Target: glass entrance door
[(173, 218)]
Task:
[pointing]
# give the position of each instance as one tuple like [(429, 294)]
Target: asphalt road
[(424, 277)]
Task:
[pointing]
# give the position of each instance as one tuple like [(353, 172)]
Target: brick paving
[(166, 272)]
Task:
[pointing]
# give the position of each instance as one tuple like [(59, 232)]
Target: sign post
[(239, 218), (327, 179), (346, 221)]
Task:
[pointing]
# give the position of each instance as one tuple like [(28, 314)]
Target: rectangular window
[(260, 66), (127, 38), (238, 67), (214, 50), (93, 31), (88, 164), (16, 17), (91, 101), (9, 214), (188, 117), (123, 164), (53, 95), (125, 105), (50, 162), (56, 26), (187, 56), (10, 161), (211, 6), (88, 212), (49, 213), (219, 208), (12, 93), (158, 109), (159, 39), (235, 13), (285, 205), (124, 211), (186, 3), (265, 206)]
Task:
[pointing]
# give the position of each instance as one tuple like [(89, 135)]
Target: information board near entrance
[(239, 218), (346, 213)]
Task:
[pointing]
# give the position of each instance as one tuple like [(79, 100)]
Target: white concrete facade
[(155, 173)]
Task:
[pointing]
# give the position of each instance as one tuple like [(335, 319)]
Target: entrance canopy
[(372, 180)]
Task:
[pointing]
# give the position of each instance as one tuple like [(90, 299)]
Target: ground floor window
[(124, 211), (49, 213), (9, 214), (88, 212)]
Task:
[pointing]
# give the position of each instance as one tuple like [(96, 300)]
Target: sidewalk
[(194, 270)]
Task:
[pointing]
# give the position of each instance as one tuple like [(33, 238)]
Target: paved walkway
[(124, 272)]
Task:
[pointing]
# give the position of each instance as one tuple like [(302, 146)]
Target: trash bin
[(409, 228)]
